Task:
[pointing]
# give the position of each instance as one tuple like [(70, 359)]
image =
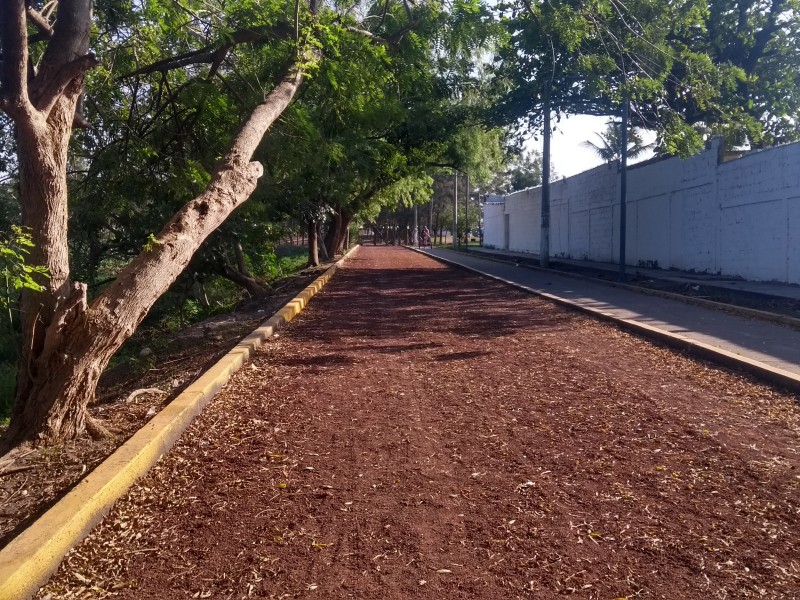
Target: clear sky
[(569, 155)]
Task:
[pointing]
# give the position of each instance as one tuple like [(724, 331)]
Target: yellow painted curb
[(772, 375), (28, 560)]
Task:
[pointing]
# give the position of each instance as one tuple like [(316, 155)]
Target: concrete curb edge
[(28, 561), (731, 308), (772, 375)]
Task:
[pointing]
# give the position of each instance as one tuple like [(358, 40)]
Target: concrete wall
[(493, 217), (739, 218)]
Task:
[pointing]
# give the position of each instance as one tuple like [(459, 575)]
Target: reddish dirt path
[(422, 432)]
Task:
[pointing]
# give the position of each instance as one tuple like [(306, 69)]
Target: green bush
[(267, 265), (15, 273), (279, 262)]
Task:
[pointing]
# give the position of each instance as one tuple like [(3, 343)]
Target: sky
[(569, 156)]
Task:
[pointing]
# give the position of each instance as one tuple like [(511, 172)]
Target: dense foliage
[(396, 98), (690, 68)]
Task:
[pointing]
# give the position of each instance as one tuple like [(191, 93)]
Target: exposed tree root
[(96, 430)]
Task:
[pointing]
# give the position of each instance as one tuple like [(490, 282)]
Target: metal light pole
[(544, 245)]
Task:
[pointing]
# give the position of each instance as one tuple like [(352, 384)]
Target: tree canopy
[(169, 108), (133, 134), (689, 68)]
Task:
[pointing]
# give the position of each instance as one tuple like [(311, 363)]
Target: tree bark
[(255, 289), (344, 233), (323, 251), (200, 294), (241, 263), (333, 238), (330, 235), (313, 244), (69, 342)]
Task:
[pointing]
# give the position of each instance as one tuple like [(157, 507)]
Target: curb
[(772, 375), (27, 562), (731, 308)]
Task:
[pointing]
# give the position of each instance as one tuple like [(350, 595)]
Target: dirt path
[(422, 432)]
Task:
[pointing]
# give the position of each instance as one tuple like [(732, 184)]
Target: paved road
[(774, 345), (771, 288)]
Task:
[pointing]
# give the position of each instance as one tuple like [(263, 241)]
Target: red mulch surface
[(32, 479), (423, 432)]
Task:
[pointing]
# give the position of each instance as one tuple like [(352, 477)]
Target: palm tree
[(610, 147)]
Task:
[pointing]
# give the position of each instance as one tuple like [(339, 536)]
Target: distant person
[(425, 238)]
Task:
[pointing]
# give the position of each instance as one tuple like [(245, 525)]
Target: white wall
[(740, 218), (493, 217)]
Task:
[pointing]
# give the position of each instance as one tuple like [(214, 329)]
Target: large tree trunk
[(335, 239), (313, 244), (323, 251), (42, 107), (69, 342), (332, 235)]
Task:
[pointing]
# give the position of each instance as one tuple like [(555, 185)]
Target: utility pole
[(623, 184), (544, 247)]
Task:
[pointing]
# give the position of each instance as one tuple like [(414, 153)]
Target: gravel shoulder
[(411, 435)]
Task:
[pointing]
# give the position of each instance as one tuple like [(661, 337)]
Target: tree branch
[(66, 57), (195, 57), (376, 39), (253, 130), (42, 24), (764, 36), (408, 9), (48, 8), (396, 38), (62, 78), (149, 275), (14, 67), (216, 53)]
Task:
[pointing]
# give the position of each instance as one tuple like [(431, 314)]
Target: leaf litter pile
[(423, 432), (130, 393)]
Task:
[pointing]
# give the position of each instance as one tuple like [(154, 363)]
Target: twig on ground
[(17, 470), (136, 393)]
